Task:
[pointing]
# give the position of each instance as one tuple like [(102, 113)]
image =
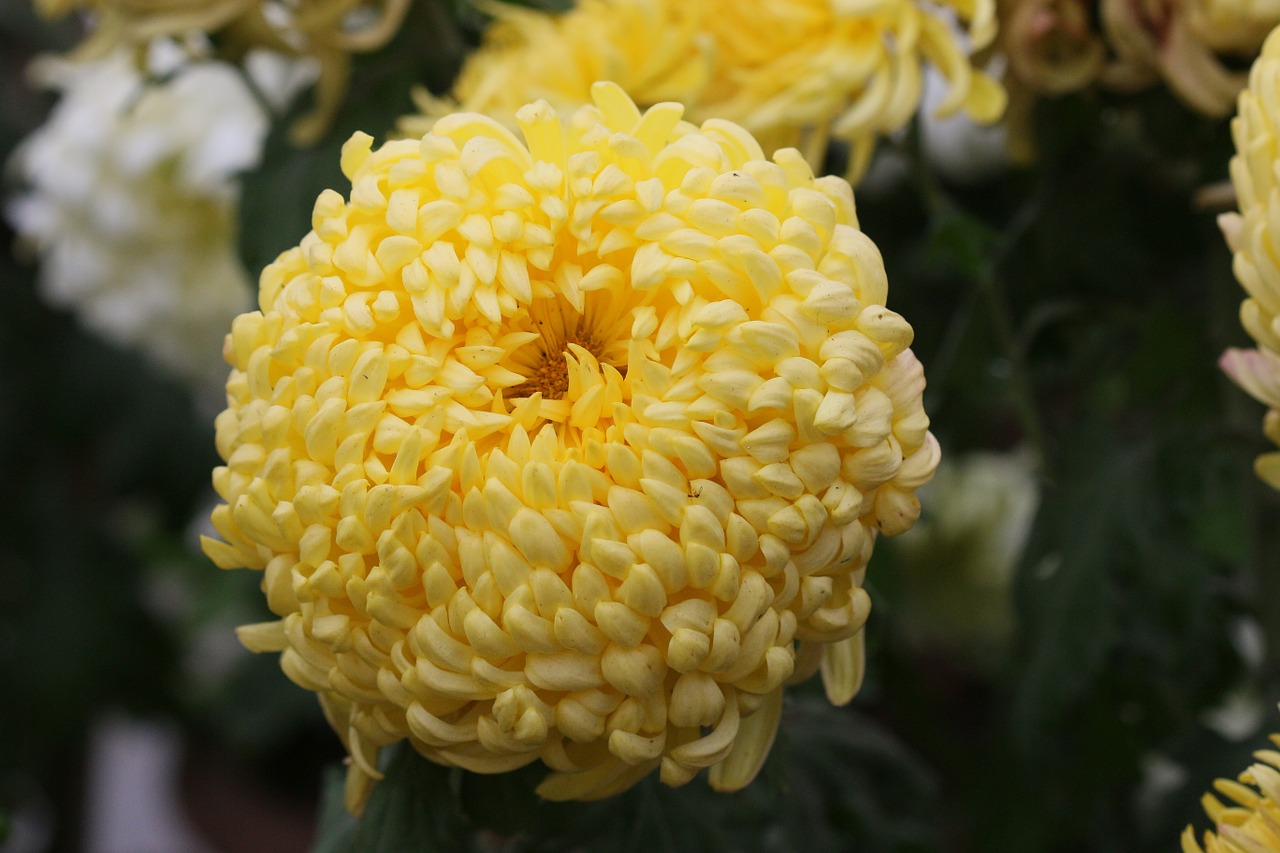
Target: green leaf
[(961, 243), (335, 826), (413, 809), (1069, 609)]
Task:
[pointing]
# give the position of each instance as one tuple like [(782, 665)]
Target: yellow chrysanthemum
[(1251, 234), (1252, 823), (326, 30), (792, 72), (571, 449)]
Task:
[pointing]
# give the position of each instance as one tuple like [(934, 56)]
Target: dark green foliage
[(834, 776), (1081, 307)]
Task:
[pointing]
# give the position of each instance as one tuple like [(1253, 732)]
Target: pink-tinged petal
[(1232, 227), (1257, 371)]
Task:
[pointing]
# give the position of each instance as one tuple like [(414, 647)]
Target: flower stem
[(989, 288)]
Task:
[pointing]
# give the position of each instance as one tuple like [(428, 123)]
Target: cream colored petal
[(755, 739)]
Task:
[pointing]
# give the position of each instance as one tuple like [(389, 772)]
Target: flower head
[(1251, 234), (1251, 824), (793, 72), (572, 448), (130, 201)]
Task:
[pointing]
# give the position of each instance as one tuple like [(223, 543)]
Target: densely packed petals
[(570, 448), (130, 201), (1250, 821), (795, 73), (1251, 234)]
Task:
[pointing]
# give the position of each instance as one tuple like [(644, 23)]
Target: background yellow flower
[(1251, 823), (1251, 234), (795, 73)]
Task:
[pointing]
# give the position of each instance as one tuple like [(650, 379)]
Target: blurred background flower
[(798, 73), (324, 31), (959, 562), (130, 202), (1196, 49)]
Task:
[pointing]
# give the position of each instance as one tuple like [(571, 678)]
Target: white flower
[(961, 149), (130, 199), (959, 561)]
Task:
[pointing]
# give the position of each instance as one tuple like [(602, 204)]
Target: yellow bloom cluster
[(792, 72), (1252, 235), (571, 449), (1252, 823), (325, 30)]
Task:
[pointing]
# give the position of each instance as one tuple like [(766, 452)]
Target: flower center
[(549, 373)]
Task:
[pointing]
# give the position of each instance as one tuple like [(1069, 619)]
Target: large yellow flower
[(792, 72), (1251, 824), (571, 449), (1252, 234)]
